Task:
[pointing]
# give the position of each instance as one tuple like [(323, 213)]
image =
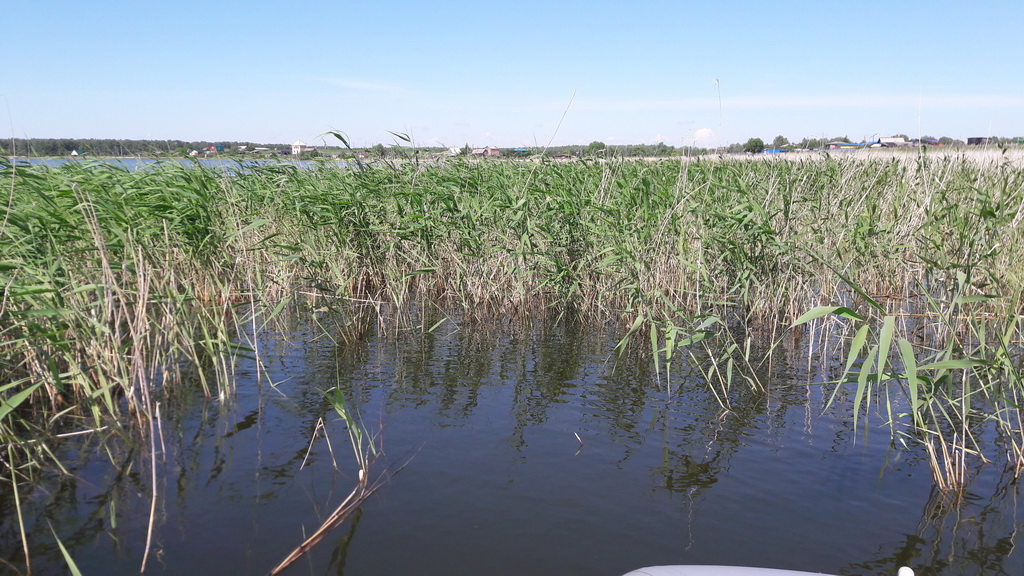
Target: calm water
[(133, 164), (497, 482)]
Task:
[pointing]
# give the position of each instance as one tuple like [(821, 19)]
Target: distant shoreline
[(985, 154)]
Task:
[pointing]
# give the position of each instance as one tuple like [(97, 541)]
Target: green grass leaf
[(72, 567), (819, 311)]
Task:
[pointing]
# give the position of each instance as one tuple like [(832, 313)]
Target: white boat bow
[(730, 571)]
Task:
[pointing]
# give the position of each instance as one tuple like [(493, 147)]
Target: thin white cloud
[(362, 85), (781, 102), (873, 101), (705, 138), (642, 105)]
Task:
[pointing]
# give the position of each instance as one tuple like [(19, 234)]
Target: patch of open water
[(497, 481)]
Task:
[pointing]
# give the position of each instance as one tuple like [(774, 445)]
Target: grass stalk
[(365, 453)]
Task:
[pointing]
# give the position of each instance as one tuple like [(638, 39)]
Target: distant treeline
[(56, 147), (111, 147)]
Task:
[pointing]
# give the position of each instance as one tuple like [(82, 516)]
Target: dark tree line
[(100, 147), (112, 147), (599, 149)]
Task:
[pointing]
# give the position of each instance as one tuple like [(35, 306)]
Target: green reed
[(121, 285)]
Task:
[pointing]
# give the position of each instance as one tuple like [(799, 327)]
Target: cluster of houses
[(207, 151), (901, 142), (892, 142), (488, 152), (298, 147)]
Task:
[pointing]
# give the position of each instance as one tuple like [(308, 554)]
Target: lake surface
[(525, 452), (133, 164)]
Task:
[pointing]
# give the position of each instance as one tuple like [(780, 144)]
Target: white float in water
[(730, 571)]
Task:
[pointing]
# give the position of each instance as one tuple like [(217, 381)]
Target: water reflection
[(140, 163), (535, 453), (975, 534)]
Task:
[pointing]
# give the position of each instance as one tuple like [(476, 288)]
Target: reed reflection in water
[(530, 451)]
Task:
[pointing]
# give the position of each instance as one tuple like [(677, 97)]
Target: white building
[(894, 142)]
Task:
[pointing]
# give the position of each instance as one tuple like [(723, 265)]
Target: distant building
[(488, 152), (298, 147), (982, 141), (894, 142)]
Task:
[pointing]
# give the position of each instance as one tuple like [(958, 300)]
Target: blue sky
[(504, 73)]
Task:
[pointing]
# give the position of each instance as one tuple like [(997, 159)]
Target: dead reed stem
[(355, 499), (153, 484)]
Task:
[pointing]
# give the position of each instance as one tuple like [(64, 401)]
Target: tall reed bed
[(121, 285)]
